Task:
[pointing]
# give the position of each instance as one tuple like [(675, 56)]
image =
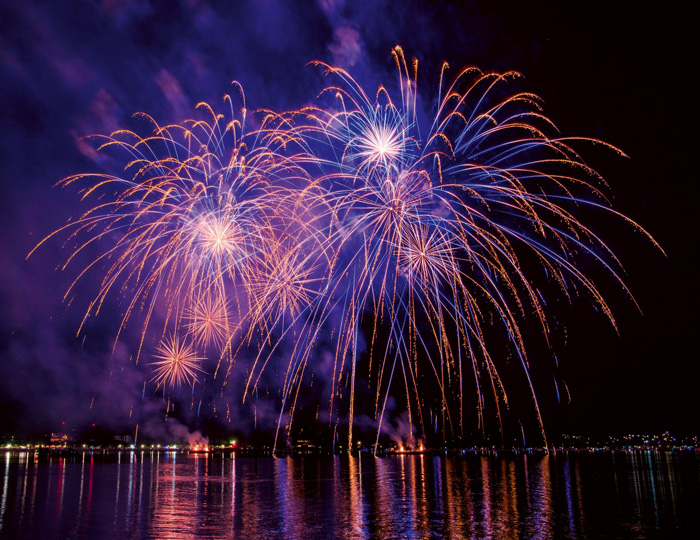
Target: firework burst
[(191, 226), (330, 220), (208, 321), (430, 226), (176, 364)]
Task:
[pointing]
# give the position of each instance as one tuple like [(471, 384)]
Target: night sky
[(620, 74)]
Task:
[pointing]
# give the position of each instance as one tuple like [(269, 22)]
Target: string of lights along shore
[(414, 240)]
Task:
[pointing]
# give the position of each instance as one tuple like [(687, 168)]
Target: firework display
[(392, 236)]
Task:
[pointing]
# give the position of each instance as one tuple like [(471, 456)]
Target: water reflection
[(169, 496)]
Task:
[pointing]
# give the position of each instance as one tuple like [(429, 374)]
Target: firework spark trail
[(326, 217)]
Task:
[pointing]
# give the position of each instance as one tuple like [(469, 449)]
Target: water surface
[(179, 496)]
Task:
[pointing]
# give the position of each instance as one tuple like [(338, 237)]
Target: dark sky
[(619, 74)]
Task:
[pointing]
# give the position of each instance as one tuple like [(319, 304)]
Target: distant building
[(60, 439), (304, 447), (123, 439)]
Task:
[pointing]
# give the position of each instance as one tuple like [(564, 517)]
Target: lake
[(630, 494)]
